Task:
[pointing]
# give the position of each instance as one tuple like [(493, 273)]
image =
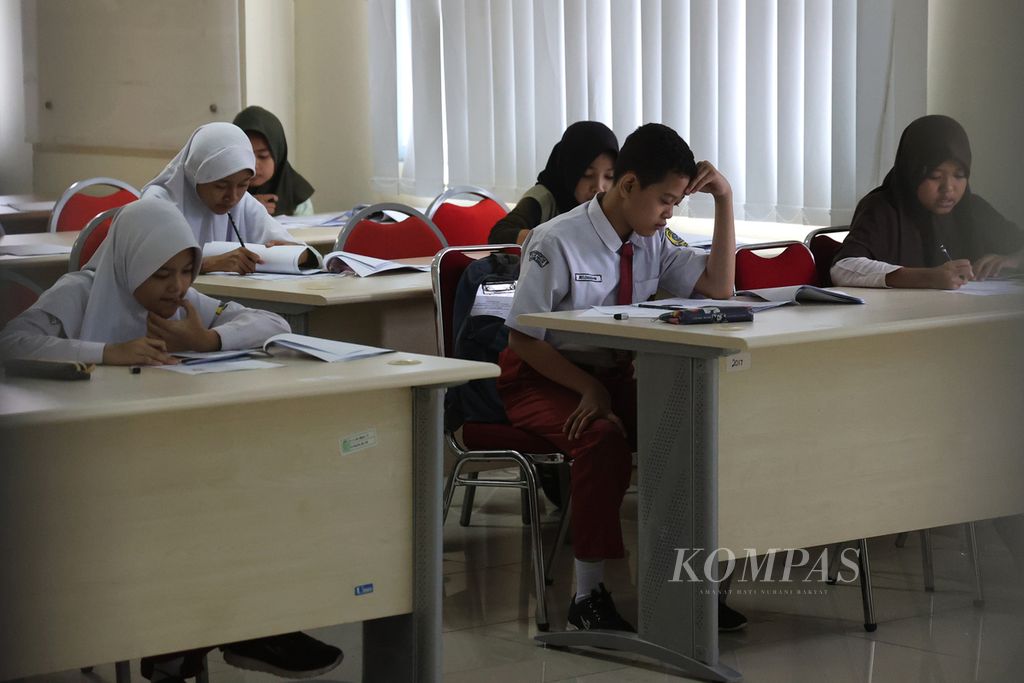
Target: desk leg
[(677, 509), (408, 647)]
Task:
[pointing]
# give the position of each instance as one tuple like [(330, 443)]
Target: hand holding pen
[(954, 273), (241, 260)]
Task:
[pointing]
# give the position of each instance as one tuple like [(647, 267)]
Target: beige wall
[(15, 153), (975, 67), (268, 67)]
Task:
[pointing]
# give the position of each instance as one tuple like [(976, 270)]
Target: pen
[(235, 228), (945, 252)]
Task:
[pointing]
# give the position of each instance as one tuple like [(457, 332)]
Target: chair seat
[(484, 436)]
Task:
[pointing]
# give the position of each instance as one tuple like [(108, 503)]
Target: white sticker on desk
[(737, 362), (360, 441)]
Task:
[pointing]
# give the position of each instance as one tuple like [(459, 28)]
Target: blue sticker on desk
[(364, 589)]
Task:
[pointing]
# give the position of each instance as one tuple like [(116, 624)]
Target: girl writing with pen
[(208, 180), (923, 227)]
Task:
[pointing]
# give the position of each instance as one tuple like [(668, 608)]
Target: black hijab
[(581, 143), (290, 187), (890, 224)]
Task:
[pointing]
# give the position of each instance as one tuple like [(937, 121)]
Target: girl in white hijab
[(133, 304), (208, 181)]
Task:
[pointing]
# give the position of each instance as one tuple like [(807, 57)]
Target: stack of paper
[(345, 261), (324, 349)]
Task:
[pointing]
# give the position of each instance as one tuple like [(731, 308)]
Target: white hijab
[(97, 303), (214, 151)]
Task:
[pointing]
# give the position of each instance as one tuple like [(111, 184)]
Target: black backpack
[(480, 338)]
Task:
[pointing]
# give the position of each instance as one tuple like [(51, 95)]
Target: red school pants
[(601, 458)]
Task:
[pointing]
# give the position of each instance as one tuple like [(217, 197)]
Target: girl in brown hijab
[(923, 227)]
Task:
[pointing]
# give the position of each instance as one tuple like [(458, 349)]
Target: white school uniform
[(85, 310), (215, 151), (572, 263)]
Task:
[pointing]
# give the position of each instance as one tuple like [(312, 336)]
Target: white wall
[(976, 75), (268, 67), (15, 153)]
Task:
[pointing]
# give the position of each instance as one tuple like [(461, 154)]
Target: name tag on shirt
[(588, 277)]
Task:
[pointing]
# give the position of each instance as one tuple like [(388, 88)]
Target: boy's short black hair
[(653, 151)]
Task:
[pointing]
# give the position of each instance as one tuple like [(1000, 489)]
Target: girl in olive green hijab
[(277, 185)]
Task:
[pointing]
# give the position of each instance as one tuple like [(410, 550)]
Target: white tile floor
[(488, 617)]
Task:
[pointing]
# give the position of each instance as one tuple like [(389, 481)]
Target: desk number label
[(737, 362), (360, 441), (364, 589)]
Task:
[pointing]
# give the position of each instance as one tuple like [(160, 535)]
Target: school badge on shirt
[(538, 258), (675, 239)]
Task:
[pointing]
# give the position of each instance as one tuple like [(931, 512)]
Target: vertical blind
[(798, 102)]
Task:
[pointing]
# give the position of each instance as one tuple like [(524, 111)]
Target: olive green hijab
[(290, 187)]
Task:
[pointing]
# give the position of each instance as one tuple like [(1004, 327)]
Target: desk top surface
[(113, 390), (886, 311)]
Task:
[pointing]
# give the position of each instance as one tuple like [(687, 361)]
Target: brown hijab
[(890, 224)]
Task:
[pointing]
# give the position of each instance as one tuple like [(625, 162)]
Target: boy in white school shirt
[(610, 250)]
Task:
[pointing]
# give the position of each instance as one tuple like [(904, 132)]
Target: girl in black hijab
[(277, 185), (581, 165), (923, 227)]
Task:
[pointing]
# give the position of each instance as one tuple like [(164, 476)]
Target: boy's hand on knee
[(594, 403)]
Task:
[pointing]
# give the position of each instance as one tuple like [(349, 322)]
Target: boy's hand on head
[(188, 334), (142, 351), (241, 261), (709, 180), (594, 403), (952, 274), (990, 265)]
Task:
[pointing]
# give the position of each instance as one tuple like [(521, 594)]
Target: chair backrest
[(75, 207), (466, 225), (445, 272), (415, 236), (824, 248), (17, 293), (794, 265), (90, 239)]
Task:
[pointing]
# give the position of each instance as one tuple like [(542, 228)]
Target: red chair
[(17, 293), (794, 265), (367, 235), (824, 249), (487, 444), (90, 239), (75, 207), (466, 225)]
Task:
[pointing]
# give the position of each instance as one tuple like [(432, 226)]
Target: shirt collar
[(603, 227)]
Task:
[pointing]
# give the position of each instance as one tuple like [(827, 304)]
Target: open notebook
[(324, 349), (801, 294), (361, 265), (284, 258)]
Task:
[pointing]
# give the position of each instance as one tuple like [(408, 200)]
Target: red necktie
[(625, 295)]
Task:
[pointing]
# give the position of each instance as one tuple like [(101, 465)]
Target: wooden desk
[(393, 310), (17, 218), (43, 270), (151, 513), (850, 422)]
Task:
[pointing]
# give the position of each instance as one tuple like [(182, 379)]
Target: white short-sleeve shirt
[(572, 263)]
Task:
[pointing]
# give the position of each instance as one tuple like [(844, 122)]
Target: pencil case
[(707, 315), (47, 369)]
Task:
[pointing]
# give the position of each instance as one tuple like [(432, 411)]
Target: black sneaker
[(729, 619), (292, 655), (597, 612)]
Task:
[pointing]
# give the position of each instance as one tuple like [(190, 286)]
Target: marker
[(621, 316)]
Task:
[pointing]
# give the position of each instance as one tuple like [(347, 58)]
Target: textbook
[(801, 293), (324, 349), (363, 266), (284, 258)]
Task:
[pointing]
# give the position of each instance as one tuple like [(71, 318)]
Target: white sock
[(588, 575)]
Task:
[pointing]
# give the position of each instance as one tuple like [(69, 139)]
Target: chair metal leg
[(122, 672), (449, 490), (867, 597), (204, 671), (563, 531), (467, 502), (972, 547), (833, 564), (530, 475), (926, 560), (525, 506), (901, 539)]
